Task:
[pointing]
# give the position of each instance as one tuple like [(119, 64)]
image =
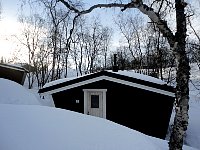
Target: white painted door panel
[(95, 103)]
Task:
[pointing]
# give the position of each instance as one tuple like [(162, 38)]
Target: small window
[(94, 101)]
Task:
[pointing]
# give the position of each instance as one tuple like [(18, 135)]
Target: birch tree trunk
[(177, 44), (182, 79)]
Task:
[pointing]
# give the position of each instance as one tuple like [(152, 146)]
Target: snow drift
[(14, 93), (27, 126), (45, 128)]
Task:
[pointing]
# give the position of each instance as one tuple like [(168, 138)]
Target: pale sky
[(10, 9), (9, 25)]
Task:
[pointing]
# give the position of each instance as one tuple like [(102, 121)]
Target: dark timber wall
[(17, 75), (142, 110)]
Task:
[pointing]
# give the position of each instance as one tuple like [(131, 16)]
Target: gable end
[(72, 84)]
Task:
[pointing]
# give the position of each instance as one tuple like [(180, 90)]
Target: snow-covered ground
[(46, 128), (192, 137), (193, 132), (26, 125), (13, 93)]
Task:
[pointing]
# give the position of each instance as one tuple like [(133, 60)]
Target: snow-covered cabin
[(13, 72), (131, 99)]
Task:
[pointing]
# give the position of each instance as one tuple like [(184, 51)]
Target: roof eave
[(163, 89)]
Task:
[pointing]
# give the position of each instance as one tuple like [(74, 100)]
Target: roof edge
[(108, 78)]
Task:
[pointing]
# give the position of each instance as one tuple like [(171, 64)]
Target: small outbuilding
[(131, 99), (13, 72)]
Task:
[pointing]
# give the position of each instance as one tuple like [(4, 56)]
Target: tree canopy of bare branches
[(177, 44)]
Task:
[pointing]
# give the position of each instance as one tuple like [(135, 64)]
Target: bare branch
[(193, 29), (69, 6), (195, 86), (161, 5), (161, 24), (102, 6), (92, 7)]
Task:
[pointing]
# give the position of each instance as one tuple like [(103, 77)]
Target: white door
[(95, 103)]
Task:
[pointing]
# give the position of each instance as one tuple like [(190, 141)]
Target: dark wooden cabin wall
[(67, 100), (138, 109), (11, 74)]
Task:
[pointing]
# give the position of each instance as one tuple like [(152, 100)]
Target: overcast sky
[(9, 25), (9, 9)]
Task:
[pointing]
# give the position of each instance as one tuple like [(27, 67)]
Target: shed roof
[(14, 67), (129, 78)]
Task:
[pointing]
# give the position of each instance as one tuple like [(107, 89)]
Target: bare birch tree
[(32, 33), (177, 43), (107, 34), (133, 30), (56, 16)]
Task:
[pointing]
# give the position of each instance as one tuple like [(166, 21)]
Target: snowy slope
[(45, 128), (192, 137), (27, 126), (193, 131), (14, 93)]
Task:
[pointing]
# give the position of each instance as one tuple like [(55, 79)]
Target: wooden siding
[(17, 75), (142, 110)]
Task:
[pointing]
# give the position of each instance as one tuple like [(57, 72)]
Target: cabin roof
[(13, 66), (129, 78)]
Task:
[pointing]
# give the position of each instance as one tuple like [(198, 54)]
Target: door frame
[(86, 93)]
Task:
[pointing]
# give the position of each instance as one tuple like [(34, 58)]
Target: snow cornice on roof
[(135, 80)]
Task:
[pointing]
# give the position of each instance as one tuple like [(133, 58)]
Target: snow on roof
[(129, 73), (55, 82), (14, 93)]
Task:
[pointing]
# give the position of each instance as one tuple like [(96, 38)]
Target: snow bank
[(192, 137), (45, 128), (14, 93), (193, 131)]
